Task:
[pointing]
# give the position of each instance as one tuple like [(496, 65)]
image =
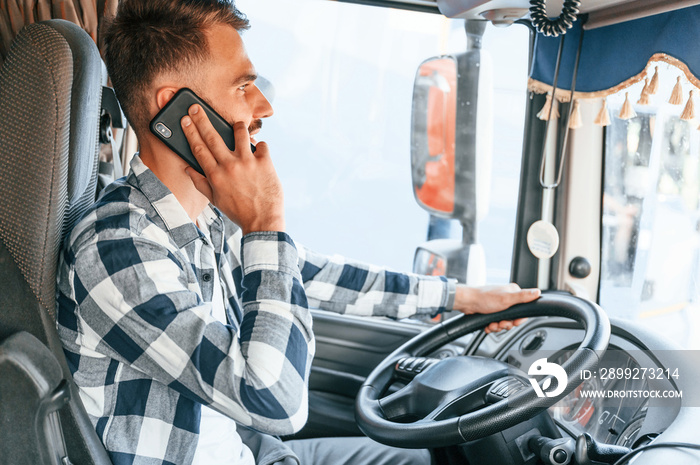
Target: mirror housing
[(433, 136), (451, 152), (450, 258), (451, 137)]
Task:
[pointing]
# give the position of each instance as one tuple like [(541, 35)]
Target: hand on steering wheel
[(493, 299), (434, 400)]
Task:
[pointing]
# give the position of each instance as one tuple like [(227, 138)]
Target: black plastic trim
[(395, 4), (524, 264)]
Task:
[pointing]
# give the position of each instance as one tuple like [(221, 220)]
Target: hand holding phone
[(242, 184), (166, 126)]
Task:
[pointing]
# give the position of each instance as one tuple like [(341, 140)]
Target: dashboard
[(612, 421), (620, 413)]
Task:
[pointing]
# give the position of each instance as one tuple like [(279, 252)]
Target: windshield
[(340, 137), (650, 269)]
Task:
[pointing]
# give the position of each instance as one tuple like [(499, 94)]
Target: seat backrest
[(50, 91)]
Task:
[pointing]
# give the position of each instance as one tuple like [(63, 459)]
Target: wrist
[(464, 299), (256, 248), (277, 225)]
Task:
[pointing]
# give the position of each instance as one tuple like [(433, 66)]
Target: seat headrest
[(50, 90)]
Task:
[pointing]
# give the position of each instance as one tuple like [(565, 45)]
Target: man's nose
[(262, 108)]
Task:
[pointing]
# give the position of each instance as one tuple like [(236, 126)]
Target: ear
[(164, 94)]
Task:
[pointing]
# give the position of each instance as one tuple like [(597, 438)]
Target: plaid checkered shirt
[(134, 316)]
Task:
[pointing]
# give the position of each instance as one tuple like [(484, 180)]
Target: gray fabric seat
[(50, 90)]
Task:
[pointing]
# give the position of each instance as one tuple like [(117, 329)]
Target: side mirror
[(451, 136), (434, 119), (451, 152)]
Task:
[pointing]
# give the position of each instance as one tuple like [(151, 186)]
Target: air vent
[(533, 342)]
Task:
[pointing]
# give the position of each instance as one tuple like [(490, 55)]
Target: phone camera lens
[(164, 130)]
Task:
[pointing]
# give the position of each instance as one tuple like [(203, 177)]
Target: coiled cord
[(569, 13)]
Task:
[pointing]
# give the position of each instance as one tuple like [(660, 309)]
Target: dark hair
[(149, 37)]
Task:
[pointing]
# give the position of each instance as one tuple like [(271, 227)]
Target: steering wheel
[(429, 410)]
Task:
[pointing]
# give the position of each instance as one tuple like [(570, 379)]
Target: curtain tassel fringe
[(689, 110), (627, 111), (575, 121), (677, 94), (644, 98), (603, 118), (654, 83), (544, 112)]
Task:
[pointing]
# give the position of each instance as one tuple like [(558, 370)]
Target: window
[(650, 269), (340, 136)]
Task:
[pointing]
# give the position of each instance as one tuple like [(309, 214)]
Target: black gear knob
[(591, 452)]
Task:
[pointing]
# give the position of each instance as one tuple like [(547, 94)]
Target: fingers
[(199, 148), (211, 137), (491, 299), (242, 137), (503, 297), (261, 150), (521, 296), (200, 183), (492, 328), (497, 326)]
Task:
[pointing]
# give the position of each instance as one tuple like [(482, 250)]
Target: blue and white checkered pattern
[(134, 315), (338, 285)]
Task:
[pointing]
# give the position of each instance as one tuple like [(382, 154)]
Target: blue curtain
[(613, 54)]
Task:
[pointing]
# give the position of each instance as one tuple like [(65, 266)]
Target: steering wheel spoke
[(398, 406)]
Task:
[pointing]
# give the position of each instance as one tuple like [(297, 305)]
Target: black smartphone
[(167, 127)]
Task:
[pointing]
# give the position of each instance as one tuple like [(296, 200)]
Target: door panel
[(356, 345), (347, 350)]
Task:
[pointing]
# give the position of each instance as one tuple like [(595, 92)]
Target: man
[(165, 305)]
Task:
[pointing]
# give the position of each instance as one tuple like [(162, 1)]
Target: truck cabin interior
[(608, 98)]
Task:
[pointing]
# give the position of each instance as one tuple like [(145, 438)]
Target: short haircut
[(150, 37)]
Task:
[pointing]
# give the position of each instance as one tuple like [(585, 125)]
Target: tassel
[(603, 118), (544, 112), (627, 111), (677, 94), (644, 98), (654, 83), (575, 121), (689, 110)]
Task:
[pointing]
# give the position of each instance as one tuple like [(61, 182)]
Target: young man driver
[(183, 305)]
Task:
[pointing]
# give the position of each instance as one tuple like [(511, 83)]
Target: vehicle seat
[(50, 91)]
